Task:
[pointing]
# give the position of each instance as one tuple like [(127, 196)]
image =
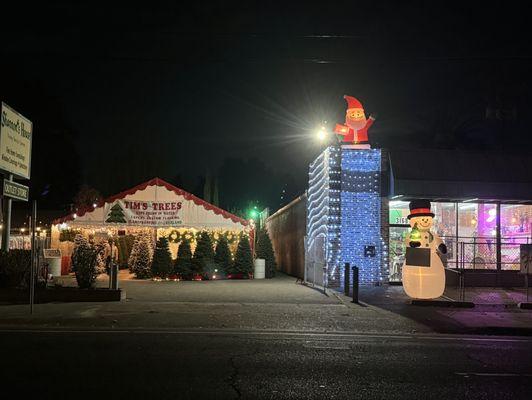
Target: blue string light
[(344, 211)]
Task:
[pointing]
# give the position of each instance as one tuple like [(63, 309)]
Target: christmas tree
[(162, 259), (141, 256), (222, 255), (204, 254), (84, 262), (183, 263), (265, 250), (116, 214), (243, 259), (80, 242)]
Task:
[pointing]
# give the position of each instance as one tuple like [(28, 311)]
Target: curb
[(442, 303)]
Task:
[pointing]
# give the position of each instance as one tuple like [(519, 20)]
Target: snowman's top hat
[(420, 208), (352, 102)]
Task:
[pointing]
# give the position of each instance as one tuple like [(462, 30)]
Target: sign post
[(15, 161)]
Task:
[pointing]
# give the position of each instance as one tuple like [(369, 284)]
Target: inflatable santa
[(355, 130), (423, 271)]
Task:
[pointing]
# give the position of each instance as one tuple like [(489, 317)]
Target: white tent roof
[(155, 203)]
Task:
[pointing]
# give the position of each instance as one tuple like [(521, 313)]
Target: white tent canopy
[(155, 204)]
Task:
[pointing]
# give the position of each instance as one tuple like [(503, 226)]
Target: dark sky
[(166, 89)]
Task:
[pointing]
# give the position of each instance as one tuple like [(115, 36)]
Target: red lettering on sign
[(144, 206)]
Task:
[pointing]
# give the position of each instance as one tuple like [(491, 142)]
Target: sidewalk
[(278, 304), (495, 311)]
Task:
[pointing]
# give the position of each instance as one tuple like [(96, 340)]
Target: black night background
[(120, 94)]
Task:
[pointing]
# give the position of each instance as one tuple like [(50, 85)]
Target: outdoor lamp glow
[(322, 134)]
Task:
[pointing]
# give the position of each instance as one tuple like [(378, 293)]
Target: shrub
[(15, 267), (243, 259), (204, 254), (265, 250), (162, 259), (183, 262)]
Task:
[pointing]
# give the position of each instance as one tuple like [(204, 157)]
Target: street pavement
[(183, 364), (270, 305), (269, 339)]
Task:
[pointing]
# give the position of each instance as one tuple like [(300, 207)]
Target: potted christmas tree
[(183, 262), (243, 264), (265, 251), (162, 259), (222, 257), (203, 260)]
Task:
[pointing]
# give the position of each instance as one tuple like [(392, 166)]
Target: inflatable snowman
[(423, 271)]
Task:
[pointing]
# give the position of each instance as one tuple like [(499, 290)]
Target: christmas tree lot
[(243, 263), (203, 260), (162, 265), (265, 250), (222, 255), (183, 262)]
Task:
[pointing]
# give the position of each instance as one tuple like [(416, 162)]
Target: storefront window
[(399, 228), (473, 243), (516, 229)]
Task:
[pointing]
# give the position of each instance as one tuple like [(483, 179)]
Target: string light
[(344, 210)]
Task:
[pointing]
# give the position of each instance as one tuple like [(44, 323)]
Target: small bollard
[(346, 279), (355, 284), (114, 276)]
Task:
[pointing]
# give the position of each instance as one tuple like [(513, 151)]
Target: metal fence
[(481, 253)]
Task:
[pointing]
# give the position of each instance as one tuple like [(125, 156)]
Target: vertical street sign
[(16, 133)]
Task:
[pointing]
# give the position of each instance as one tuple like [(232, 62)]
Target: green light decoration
[(415, 235), (253, 213)]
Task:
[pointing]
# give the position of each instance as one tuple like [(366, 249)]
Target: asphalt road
[(182, 364)]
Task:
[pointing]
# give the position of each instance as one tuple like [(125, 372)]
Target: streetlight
[(321, 133)]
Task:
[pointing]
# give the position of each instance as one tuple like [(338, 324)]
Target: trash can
[(260, 267), (53, 258)]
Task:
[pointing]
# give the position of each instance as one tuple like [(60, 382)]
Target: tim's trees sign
[(146, 213), (15, 143)]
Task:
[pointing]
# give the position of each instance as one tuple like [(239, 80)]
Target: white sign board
[(15, 143), (52, 253), (145, 213)]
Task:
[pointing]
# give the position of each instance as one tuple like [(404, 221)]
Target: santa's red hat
[(352, 102)]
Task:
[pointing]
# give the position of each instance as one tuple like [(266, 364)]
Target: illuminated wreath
[(174, 237)]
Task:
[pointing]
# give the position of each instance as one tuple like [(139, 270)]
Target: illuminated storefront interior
[(470, 230), (482, 205)]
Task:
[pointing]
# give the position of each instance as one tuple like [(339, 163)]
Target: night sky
[(120, 94)]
